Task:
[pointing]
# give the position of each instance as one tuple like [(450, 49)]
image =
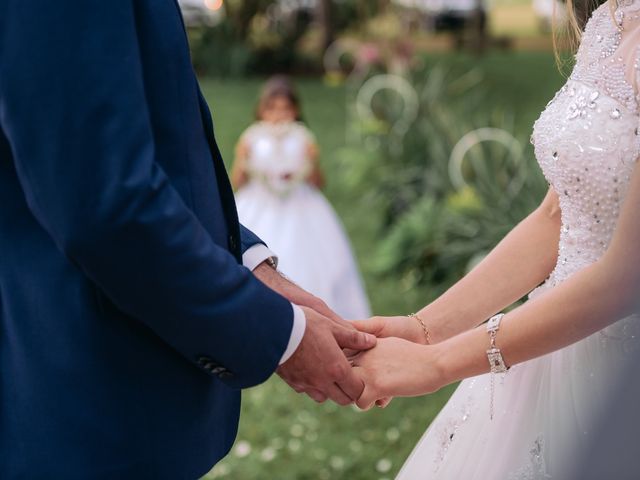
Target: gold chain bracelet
[(427, 335)]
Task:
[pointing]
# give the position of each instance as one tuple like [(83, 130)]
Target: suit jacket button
[(218, 370), (233, 243), (225, 375)]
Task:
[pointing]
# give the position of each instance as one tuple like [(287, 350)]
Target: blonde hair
[(568, 38)]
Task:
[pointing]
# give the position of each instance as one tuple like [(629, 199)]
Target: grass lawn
[(286, 436)]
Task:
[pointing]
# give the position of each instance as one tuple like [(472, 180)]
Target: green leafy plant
[(449, 186)]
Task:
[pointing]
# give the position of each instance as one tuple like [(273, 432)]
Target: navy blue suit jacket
[(127, 323)]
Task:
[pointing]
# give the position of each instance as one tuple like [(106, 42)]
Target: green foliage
[(263, 37), (438, 219), (215, 51), (248, 41)]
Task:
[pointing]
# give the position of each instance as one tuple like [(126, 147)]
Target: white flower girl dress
[(295, 219)]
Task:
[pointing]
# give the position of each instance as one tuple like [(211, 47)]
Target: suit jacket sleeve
[(248, 239), (72, 104)]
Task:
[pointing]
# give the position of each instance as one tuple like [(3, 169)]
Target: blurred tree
[(441, 210), (325, 23), (264, 36), (239, 14)]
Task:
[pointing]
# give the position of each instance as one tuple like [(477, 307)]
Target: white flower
[(296, 430), (220, 470), (393, 434), (383, 465), (294, 445), (243, 448), (337, 463), (268, 454)]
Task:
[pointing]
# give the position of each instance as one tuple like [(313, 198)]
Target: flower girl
[(277, 177)]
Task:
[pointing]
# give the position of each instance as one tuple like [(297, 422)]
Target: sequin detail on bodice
[(586, 140)]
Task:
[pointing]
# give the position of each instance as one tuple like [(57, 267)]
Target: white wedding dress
[(587, 142), (295, 220)]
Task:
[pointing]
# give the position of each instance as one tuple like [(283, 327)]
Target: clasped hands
[(362, 362), (401, 364)]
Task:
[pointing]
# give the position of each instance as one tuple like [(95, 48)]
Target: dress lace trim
[(536, 469)]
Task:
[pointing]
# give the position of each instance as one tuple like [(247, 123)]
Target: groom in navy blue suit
[(130, 317)]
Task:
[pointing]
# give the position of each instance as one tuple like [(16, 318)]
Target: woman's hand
[(397, 367), (403, 327)]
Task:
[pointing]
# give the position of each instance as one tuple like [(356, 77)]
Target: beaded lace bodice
[(587, 139)]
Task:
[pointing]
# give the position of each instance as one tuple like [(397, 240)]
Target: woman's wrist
[(418, 332), (435, 323), (433, 371), (462, 356), (442, 320)]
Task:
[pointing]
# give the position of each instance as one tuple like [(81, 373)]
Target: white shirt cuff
[(255, 255), (297, 332)]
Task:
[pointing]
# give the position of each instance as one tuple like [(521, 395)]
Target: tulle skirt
[(313, 250), (544, 411)]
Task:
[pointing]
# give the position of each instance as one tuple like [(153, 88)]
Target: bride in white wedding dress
[(567, 342)]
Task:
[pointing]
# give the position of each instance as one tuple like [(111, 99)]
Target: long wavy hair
[(578, 12)]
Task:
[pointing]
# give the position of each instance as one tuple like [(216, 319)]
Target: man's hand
[(319, 367), (292, 292)]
